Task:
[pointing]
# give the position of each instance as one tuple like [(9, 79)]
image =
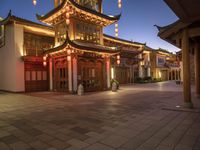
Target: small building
[(164, 65)]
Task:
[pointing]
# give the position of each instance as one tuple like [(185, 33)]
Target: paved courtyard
[(137, 117)]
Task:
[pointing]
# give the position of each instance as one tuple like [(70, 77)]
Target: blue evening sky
[(137, 21)]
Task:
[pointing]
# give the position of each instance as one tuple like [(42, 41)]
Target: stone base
[(198, 96), (188, 105)]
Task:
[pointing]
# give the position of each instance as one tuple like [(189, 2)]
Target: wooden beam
[(186, 70), (194, 32)]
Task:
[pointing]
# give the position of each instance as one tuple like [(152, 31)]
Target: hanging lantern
[(67, 21), (118, 59), (34, 2), (44, 63), (120, 3), (118, 62), (116, 30), (68, 58), (68, 51), (68, 15)]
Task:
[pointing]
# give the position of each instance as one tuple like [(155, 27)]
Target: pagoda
[(79, 56)]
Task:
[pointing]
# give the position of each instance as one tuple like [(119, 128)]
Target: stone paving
[(137, 117)]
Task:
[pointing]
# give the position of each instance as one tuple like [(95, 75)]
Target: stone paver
[(137, 117)]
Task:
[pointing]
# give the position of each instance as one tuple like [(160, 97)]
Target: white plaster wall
[(11, 65)]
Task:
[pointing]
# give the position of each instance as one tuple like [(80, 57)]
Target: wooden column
[(75, 74), (197, 69), (108, 71), (186, 70), (70, 75), (50, 75)]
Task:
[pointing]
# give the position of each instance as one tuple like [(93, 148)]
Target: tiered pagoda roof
[(77, 11)]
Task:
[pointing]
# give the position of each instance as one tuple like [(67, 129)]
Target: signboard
[(160, 61)]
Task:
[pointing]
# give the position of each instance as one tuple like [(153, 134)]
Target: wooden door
[(36, 77), (60, 75), (90, 74)]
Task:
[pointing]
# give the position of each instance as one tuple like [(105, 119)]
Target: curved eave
[(68, 42), (122, 41), (4, 21), (55, 10)]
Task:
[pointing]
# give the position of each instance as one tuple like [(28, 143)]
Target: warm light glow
[(68, 58), (44, 63), (118, 62), (116, 30), (44, 58), (159, 74), (120, 3), (67, 21), (34, 2), (67, 15), (118, 56), (112, 73), (67, 8), (68, 51)]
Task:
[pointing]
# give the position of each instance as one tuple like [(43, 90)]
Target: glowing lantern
[(44, 58), (68, 58), (44, 63), (67, 21), (67, 15), (68, 51), (118, 62), (116, 30), (118, 59), (120, 3), (34, 2)]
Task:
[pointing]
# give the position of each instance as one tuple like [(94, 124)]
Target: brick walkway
[(141, 117)]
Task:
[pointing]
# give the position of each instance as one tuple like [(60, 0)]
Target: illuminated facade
[(165, 65), (70, 51)]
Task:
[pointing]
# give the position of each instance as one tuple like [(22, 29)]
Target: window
[(39, 75), (33, 75), (87, 32), (2, 36), (44, 76), (28, 75)]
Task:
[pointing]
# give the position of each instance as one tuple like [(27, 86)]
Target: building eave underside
[(12, 18), (83, 47)]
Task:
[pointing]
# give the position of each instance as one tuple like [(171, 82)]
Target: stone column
[(186, 70), (70, 75), (149, 67), (197, 69), (50, 75), (108, 71), (75, 77), (140, 67)]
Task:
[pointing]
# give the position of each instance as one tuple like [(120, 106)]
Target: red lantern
[(118, 62), (44, 63), (68, 58)]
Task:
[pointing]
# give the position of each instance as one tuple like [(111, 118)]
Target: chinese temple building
[(69, 50)]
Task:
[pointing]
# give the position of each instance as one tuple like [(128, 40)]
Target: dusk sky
[(137, 21)]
